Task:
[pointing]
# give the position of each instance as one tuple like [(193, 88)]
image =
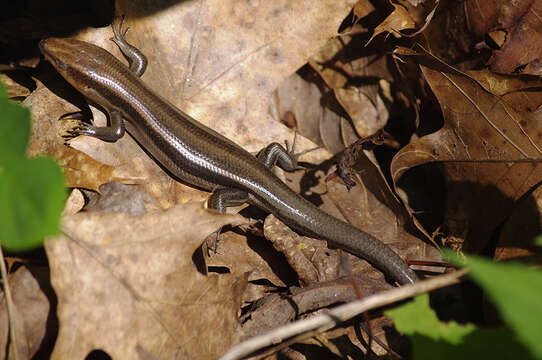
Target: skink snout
[(46, 51)]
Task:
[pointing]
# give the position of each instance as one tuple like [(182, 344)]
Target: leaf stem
[(11, 307)]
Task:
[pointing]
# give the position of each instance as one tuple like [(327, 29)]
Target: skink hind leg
[(219, 201), (136, 59), (275, 154), (227, 197)]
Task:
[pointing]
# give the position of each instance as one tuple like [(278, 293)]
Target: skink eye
[(60, 64)]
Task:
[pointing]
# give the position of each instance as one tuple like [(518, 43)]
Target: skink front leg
[(110, 133), (136, 59), (138, 64)]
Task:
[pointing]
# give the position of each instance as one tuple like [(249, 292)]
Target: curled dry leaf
[(489, 147), (398, 20), (350, 71), (129, 282), (275, 310), (310, 258), (363, 8), (245, 254)]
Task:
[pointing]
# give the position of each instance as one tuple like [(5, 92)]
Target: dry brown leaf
[(521, 22), (449, 37), (228, 57), (30, 291), (373, 207), (352, 72), (516, 239), (364, 86), (13, 88), (310, 258), (315, 121), (461, 31), (489, 149), (80, 170), (363, 8), (302, 98), (275, 310), (398, 20), (242, 254), (128, 283), (368, 115)]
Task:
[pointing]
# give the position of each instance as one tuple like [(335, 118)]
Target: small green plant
[(516, 291), (32, 191)]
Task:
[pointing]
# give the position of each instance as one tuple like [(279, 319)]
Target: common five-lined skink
[(195, 153)]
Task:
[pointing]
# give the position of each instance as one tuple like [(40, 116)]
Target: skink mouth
[(47, 53), (44, 48)]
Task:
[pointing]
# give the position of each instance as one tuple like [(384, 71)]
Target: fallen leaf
[(13, 88), (354, 74), (368, 115), (31, 294), (275, 310), (363, 8), (489, 150), (246, 254), (221, 49), (310, 258), (129, 282), (79, 169), (521, 51), (516, 240), (373, 207), (398, 20)]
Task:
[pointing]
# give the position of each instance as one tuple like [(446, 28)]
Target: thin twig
[(322, 322), (11, 307)]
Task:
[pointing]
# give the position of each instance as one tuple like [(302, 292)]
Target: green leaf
[(14, 129), (417, 316), (32, 191), (538, 240), (33, 195), (516, 290), (433, 339)]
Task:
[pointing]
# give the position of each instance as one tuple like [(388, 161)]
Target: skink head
[(77, 61)]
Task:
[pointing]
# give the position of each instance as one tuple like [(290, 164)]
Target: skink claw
[(80, 129), (295, 156), (118, 31)]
